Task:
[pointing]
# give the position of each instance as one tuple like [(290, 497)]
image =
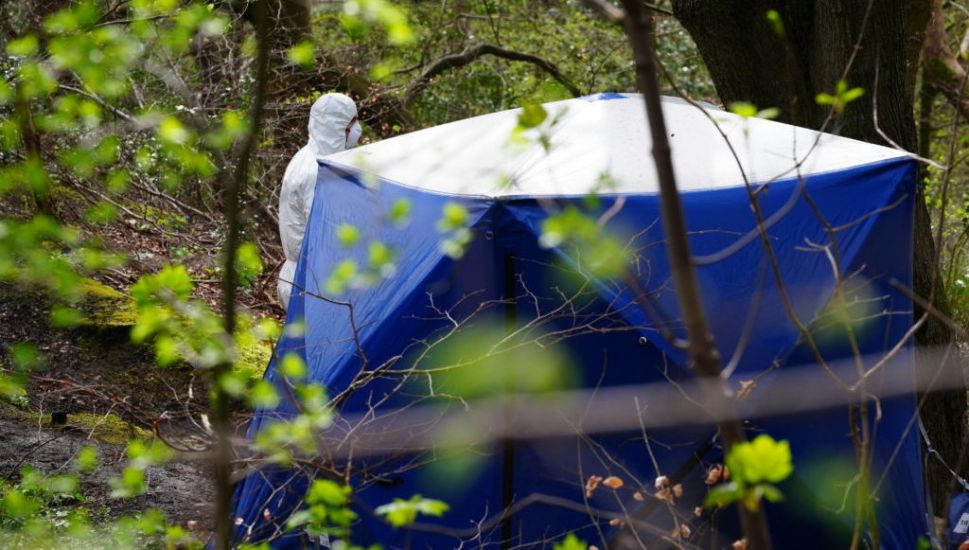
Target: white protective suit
[(333, 127)]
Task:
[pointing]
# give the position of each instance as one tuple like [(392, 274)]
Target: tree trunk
[(874, 45)]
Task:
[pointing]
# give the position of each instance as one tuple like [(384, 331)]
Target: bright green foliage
[(248, 263), (181, 328), (754, 467), (402, 513), (453, 223), (341, 277), (399, 213), (302, 53), (484, 359), (292, 367), (26, 357), (453, 217), (23, 47), (234, 126), (380, 261), (595, 251), (359, 16), (327, 510), (776, 23), (531, 116), (281, 440), (141, 456), (748, 110), (348, 234), (263, 395), (571, 542), (761, 460), (87, 459), (843, 95)]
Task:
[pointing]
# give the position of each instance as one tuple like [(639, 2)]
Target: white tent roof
[(590, 137)]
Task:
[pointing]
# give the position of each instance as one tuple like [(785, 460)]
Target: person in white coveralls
[(333, 127)]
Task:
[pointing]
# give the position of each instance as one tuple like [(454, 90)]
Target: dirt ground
[(97, 387), (179, 489)]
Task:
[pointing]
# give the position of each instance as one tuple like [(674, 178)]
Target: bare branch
[(471, 54)]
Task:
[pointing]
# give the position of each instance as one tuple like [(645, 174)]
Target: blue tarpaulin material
[(844, 214)]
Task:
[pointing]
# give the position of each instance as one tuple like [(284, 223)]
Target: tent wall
[(868, 211)]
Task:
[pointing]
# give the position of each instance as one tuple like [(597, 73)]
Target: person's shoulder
[(302, 160)]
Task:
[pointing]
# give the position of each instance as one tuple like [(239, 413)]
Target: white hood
[(330, 132), (329, 118)]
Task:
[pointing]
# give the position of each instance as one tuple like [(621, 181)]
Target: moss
[(158, 216), (104, 306), (254, 358), (108, 428), (64, 195)]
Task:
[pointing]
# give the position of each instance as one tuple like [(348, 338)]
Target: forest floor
[(98, 388)]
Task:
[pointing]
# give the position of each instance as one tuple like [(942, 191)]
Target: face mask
[(354, 136)]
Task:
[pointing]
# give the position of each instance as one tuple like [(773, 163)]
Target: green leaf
[(302, 53), (852, 94), (749, 110), (743, 109), (171, 130), (26, 357), (12, 387), (769, 492), (776, 23), (22, 47), (233, 383), (723, 495), (330, 493), (359, 15), (66, 317), (380, 255), (571, 542), (399, 213), (340, 278), (87, 459), (769, 113), (166, 350), (6, 92), (130, 484), (401, 513), (348, 234), (825, 99), (841, 97), (263, 395), (453, 217), (531, 116), (292, 366), (761, 460), (248, 263), (454, 247)]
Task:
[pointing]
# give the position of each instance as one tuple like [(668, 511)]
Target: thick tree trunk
[(874, 45)]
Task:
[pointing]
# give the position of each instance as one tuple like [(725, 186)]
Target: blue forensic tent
[(835, 209)]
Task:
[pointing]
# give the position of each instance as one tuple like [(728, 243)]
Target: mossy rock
[(105, 307)]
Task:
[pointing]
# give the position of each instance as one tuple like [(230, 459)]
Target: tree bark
[(868, 44), (940, 66)]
